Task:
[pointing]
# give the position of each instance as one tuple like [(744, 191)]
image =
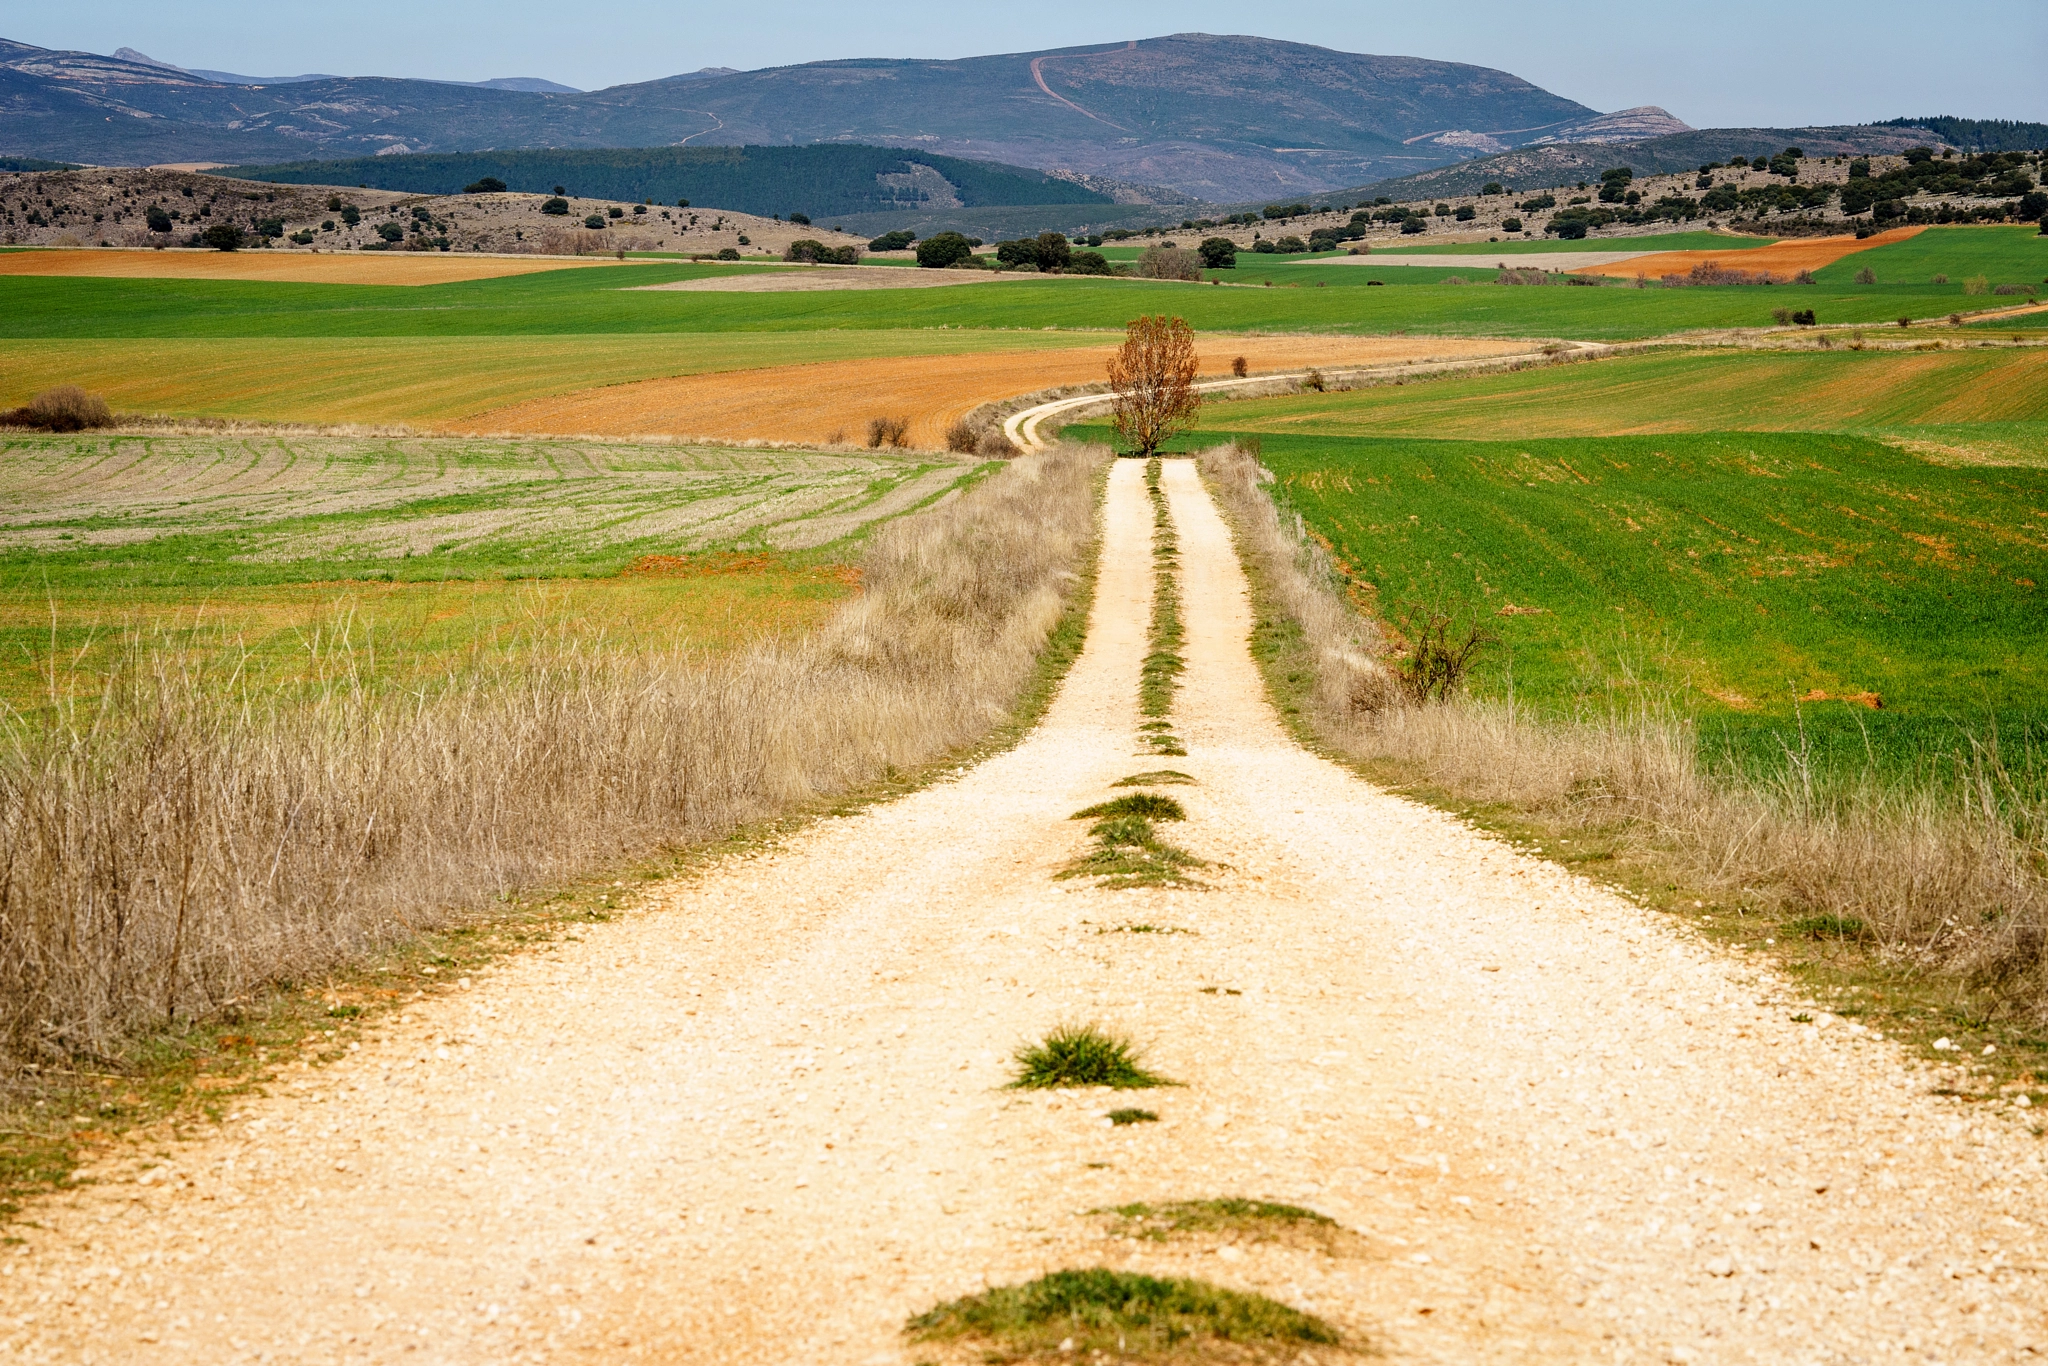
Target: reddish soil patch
[(297, 267), (1782, 258), (833, 402)]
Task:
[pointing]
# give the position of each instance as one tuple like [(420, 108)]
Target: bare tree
[(1153, 376)]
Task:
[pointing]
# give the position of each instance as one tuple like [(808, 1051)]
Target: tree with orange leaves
[(1153, 376)]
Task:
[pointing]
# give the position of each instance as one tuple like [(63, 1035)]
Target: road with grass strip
[(768, 1115)]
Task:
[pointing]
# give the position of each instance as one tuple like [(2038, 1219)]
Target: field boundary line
[(1022, 427)]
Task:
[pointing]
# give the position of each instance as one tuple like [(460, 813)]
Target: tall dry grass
[(1946, 872), (189, 836)]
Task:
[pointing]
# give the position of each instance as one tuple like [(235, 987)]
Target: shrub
[(1466, 213), (995, 446), (1264, 246), (270, 227), (66, 408), (351, 215), (1567, 229), (1866, 276), (888, 431), (802, 219), (1803, 317), (1781, 316), (490, 184), (1314, 380), (391, 232), (942, 249), (1492, 187), (1976, 284), (1054, 253), (595, 220), (898, 240), (1413, 225), (222, 237), (304, 237), (1089, 263), (158, 220), (1218, 253), (1169, 263), (557, 206), (728, 254), (1440, 647), (1511, 225), (1541, 201), (805, 249), (1290, 246), (963, 438), (1240, 367)]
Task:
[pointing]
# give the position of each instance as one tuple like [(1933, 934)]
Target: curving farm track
[(762, 1118)]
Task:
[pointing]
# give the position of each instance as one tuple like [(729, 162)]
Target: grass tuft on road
[(1073, 1315), (1230, 1218), (1158, 777), (1083, 1055), (1150, 805), (1129, 853)]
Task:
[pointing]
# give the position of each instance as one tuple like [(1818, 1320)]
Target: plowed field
[(1780, 258), (834, 401), (375, 268)]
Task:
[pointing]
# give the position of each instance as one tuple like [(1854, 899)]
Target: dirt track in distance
[(761, 1116), (833, 401)]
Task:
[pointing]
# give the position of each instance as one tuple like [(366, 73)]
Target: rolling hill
[(831, 179), (1214, 118)]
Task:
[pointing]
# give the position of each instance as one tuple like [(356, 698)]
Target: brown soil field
[(832, 402), (298, 267), (1789, 257)]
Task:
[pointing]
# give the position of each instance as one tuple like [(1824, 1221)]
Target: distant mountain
[(1979, 135), (1211, 118), (828, 182), (530, 84)]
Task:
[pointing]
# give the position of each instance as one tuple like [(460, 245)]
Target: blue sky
[(1725, 63)]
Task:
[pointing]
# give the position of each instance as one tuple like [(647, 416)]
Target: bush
[(270, 227), (1169, 263), (942, 249), (158, 220), (1466, 213), (595, 220), (557, 206), (490, 184), (1567, 229), (1054, 252), (222, 237), (805, 249), (962, 438), (1218, 253), (1541, 201), (898, 240), (1240, 367), (1411, 226), (1492, 187), (304, 237), (995, 446), (351, 215), (1290, 246), (66, 408), (888, 431), (1089, 263), (1264, 246), (801, 219), (391, 232), (1866, 276), (1510, 225)]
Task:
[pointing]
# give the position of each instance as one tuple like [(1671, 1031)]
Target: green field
[(424, 555), (1993, 397), (1303, 297), (1737, 573)]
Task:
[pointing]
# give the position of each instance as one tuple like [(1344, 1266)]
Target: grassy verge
[(1908, 918), (178, 1076), (1160, 674)]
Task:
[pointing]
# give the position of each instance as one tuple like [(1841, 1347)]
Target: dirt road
[(761, 1119)]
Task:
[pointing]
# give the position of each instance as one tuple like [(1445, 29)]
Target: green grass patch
[(1132, 1115), (1129, 853), (1155, 778), (1082, 1055), (1150, 805), (1076, 1315), (1246, 1220), (1160, 674)]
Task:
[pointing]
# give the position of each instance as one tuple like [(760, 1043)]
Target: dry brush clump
[(1948, 873), (66, 408), (189, 837)]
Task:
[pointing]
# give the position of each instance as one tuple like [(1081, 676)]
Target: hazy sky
[(1729, 63)]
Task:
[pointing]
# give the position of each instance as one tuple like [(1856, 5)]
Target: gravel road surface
[(762, 1118)]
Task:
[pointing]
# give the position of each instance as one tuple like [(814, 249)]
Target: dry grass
[(194, 837), (1947, 876)]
